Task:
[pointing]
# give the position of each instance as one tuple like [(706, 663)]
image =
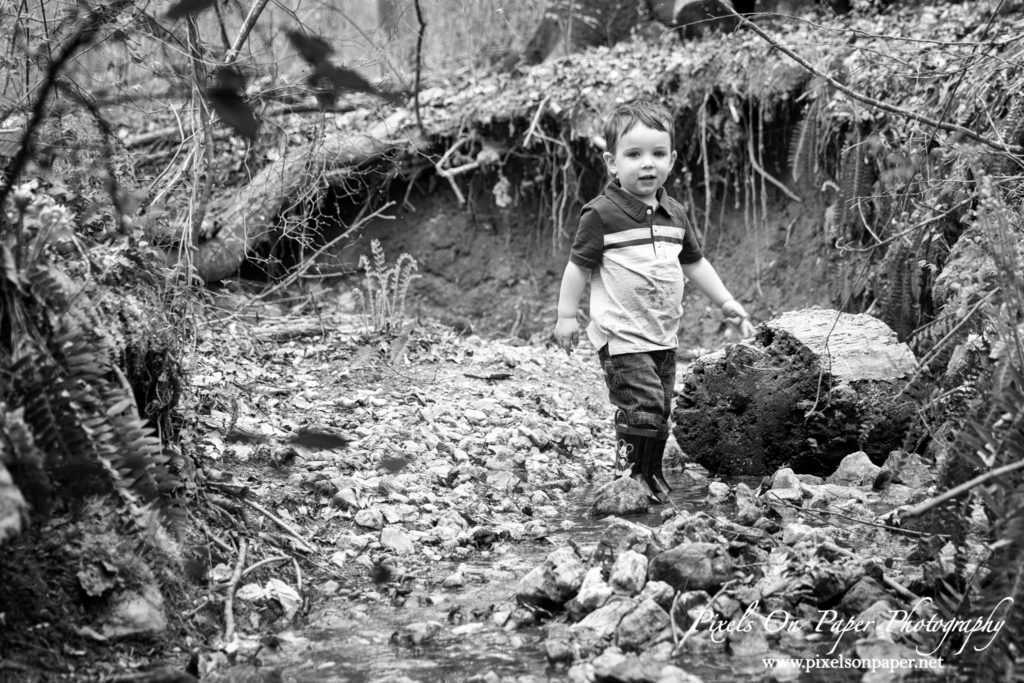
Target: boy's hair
[(625, 118)]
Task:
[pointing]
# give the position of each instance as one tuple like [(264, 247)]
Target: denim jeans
[(641, 385)]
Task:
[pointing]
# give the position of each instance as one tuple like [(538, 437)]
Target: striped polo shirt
[(636, 253)]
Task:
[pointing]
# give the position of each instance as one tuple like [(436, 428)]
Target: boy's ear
[(609, 161), (674, 155)]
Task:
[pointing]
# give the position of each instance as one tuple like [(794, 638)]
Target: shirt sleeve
[(691, 252), (589, 244)]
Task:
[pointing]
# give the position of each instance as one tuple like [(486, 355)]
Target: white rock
[(370, 519), (594, 591), (794, 532), (855, 469), (718, 491), (629, 572), (394, 538)]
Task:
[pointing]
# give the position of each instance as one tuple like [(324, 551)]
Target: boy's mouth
[(648, 177)]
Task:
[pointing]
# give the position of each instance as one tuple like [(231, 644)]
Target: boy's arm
[(705, 277), (567, 329)]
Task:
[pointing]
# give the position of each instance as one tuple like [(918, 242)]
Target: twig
[(536, 120), (277, 558), (281, 523), (298, 575), (229, 599), (446, 174), (216, 541), (870, 101), (927, 505), (767, 176), (243, 32), (879, 525), (419, 64)]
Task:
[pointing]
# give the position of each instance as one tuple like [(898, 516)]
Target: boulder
[(594, 591), (910, 469), (629, 573), (622, 496), (813, 386), (554, 582), (641, 625), (601, 624), (692, 566), (856, 469)]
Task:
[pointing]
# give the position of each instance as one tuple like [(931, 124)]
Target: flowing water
[(354, 641)]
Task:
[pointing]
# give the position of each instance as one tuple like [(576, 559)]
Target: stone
[(621, 496), (747, 508), (621, 534), (718, 491), (861, 595), (504, 481), (786, 486), (135, 613), (804, 391), (641, 625), (594, 591), (615, 667), (690, 607), (417, 633), (393, 538), (794, 532), (660, 592), (629, 572), (558, 644), (910, 469), (456, 579), (692, 566), (856, 469), (554, 582), (369, 519), (600, 624)]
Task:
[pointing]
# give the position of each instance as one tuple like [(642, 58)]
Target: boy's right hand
[(567, 333)]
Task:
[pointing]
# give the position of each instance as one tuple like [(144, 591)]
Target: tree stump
[(813, 386)]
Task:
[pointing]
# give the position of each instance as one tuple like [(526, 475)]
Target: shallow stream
[(355, 641)]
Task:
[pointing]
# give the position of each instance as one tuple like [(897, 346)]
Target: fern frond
[(803, 147)]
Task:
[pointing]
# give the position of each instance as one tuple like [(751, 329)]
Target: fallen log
[(812, 387), (249, 217)]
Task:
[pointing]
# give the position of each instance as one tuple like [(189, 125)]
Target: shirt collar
[(633, 207)]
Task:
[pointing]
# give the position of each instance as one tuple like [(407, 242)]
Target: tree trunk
[(814, 386), (250, 216)]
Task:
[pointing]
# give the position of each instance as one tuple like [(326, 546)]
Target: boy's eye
[(632, 155)]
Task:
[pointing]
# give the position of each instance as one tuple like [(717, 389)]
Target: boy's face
[(642, 160)]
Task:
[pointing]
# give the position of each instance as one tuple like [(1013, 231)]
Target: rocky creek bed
[(418, 508)]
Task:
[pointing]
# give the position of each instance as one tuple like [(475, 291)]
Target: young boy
[(639, 245)]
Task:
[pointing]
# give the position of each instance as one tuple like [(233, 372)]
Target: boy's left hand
[(737, 315)]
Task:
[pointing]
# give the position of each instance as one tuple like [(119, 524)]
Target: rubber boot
[(632, 445), (657, 481)]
